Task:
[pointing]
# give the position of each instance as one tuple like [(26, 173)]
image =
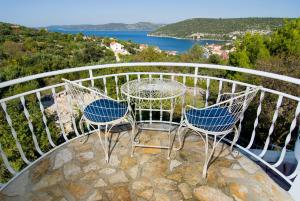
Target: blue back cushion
[(215, 119), (105, 110)]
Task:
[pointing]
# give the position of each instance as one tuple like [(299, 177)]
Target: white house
[(118, 48)]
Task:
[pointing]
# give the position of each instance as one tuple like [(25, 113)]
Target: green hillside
[(217, 28), (140, 26)]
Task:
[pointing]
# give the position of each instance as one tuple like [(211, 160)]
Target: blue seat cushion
[(215, 119), (105, 110)]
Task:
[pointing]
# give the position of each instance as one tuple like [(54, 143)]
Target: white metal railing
[(120, 78)]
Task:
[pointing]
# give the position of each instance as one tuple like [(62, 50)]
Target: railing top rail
[(164, 64), (289, 96)]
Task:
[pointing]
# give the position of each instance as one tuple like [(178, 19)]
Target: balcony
[(73, 166)]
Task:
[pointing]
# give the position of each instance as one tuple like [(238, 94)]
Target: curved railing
[(203, 88)]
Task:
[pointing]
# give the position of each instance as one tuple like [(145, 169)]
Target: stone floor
[(77, 171)]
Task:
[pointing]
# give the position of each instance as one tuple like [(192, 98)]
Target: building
[(115, 47), (197, 36), (142, 47), (217, 49), (118, 48), (173, 53)]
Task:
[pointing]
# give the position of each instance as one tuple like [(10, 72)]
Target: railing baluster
[(140, 111), (232, 91), (26, 113), (173, 77), (195, 85), (233, 88), (72, 116), (38, 95), (92, 77), (117, 87), (150, 103), (6, 162), (58, 113), (183, 100), (161, 103), (104, 84), (288, 137), (207, 91), (243, 113), (220, 90), (14, 134), (262, 96), (296, 171), (275, 115)]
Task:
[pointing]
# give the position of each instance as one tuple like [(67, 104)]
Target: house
[(143, 46), (217, 49), (115, 47), (15, 26), (224, 55), (118, 48), (197, 36), (173, 53)]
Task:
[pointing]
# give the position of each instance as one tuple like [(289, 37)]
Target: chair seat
[(215, 119), (105, 110)]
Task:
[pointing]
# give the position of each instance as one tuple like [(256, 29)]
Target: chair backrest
[(82, 95), (239, 102), (224, 115)]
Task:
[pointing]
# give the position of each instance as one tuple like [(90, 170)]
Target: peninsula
[(217, 28)]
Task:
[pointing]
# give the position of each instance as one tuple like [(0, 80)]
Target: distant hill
[(140, 26), (217, 28)]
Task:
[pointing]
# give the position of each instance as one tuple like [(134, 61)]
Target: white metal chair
[(99, 110), (218, 120)]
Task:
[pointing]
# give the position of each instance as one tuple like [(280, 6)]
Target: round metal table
[(154, 95), (153, 89)]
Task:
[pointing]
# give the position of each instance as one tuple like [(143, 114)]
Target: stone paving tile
[(77, 171)]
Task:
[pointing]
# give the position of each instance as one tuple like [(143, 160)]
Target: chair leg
[(81, 121), (104, 143), (132, 122), (170, 144), (235, 139), (132, 136), (178, 133), (208, 156)]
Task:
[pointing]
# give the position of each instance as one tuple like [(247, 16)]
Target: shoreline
[(180, 38)]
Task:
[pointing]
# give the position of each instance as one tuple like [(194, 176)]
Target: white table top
[(153, 89)]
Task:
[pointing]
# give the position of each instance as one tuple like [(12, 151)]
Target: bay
[(168, 44)]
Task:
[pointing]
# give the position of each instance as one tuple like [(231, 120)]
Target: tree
[(196, 51), (195, 54), (148, 55), (214, 59), (286, 40), (239, 58), (12, 49)]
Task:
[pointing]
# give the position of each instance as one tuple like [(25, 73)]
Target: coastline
[(165, 36), (180, 38)]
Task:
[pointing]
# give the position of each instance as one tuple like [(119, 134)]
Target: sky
[(36, 13)]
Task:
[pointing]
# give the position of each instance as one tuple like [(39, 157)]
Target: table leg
[(170, 124)]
